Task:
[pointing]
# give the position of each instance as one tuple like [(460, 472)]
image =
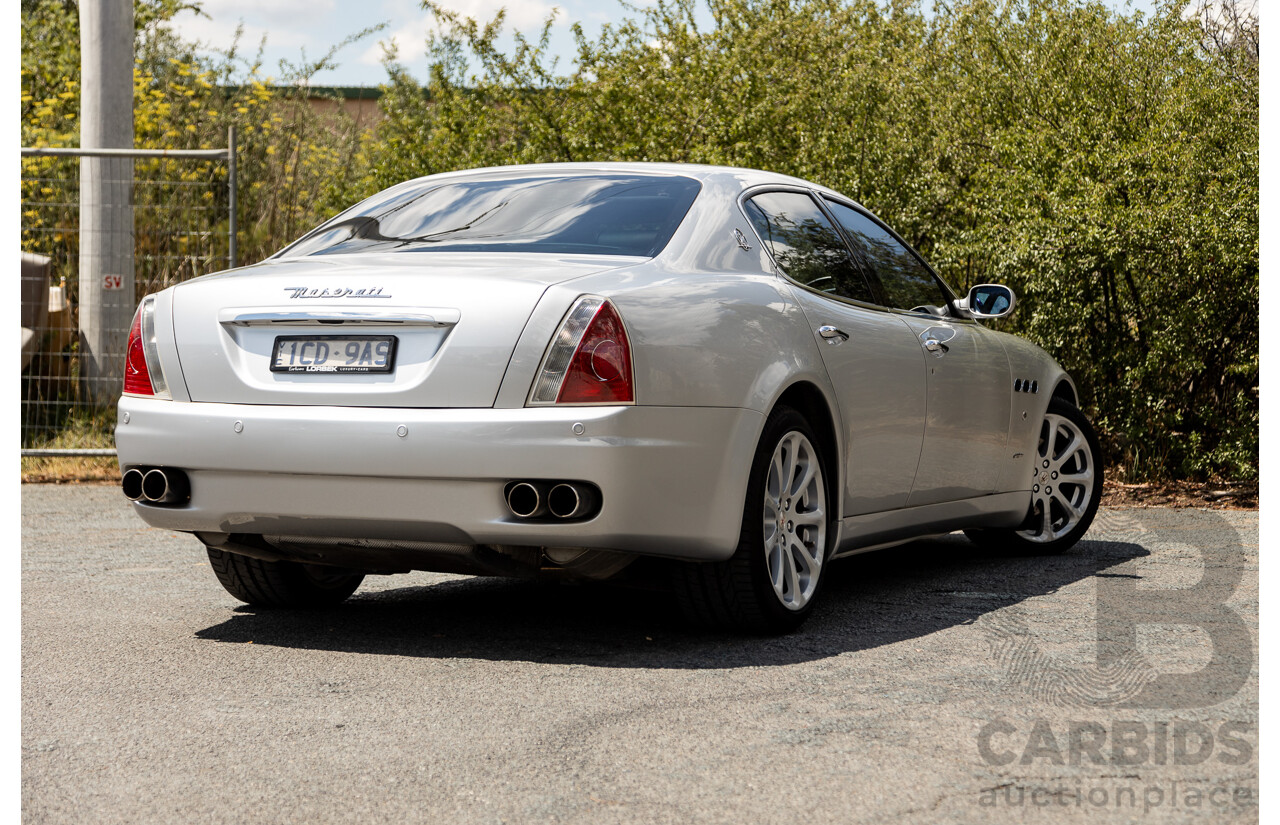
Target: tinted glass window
[(806, 245), (588, 214), (906, 282)]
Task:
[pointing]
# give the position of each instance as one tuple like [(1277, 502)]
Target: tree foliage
[(292, 162), (1103, 164)]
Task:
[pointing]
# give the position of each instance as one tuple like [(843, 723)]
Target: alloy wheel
[(795, 520), (1062, 484)]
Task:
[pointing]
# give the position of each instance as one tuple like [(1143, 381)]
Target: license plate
[(328, 354)]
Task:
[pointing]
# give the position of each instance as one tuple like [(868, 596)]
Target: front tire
[(282, 583), (770, 583), (1066, 487)]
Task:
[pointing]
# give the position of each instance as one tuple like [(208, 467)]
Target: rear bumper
[(672, 478)]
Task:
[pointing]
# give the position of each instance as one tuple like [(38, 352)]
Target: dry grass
[(70, 470), (1220, 495)]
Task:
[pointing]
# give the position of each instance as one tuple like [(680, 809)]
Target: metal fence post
[(231, 194)]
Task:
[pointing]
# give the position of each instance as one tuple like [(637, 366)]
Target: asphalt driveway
[(935, 683)]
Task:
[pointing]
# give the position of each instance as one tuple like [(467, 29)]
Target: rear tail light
[(589, 361), (142, 372)]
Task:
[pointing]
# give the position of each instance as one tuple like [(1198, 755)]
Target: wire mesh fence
[(99, 231)]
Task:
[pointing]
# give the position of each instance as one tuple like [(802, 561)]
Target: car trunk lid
[(448, 323)]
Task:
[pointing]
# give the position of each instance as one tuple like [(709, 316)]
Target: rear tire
[(770, 583), (1065, 491), (282, 583)]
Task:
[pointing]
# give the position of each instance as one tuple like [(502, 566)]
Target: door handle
[(832, 335), (935, 346)]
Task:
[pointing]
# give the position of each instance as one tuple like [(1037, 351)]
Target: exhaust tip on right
[(165, 486), (567, 501), (155, 485)]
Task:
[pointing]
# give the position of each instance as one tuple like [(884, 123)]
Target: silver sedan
[(555, 370)]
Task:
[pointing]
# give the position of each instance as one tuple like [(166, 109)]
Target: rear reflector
[(589, 360)]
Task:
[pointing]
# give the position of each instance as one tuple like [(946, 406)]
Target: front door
[(967, 372), (967, 418)]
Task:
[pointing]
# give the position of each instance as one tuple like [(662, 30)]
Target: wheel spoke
[(788, 466), (774, 484), (1070, 451), (1074, 511), (1075, 478), (809, 470), (809, 517), (789, 571), (801, 552)]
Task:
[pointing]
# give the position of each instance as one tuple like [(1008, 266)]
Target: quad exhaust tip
[(559, 499), (571, 500), (131, 483), (526, 500), (159, 485)]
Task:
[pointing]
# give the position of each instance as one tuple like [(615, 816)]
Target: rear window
[(586, 214)]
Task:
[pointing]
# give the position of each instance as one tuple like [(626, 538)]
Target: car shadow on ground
[(869, 600)]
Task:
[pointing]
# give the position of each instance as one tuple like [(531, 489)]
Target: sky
[(311, 27), (295, 27)]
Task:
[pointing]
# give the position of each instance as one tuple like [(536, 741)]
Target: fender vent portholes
[(1026, 385)]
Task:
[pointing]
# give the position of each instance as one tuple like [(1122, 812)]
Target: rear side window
[(906, 282), (582, 214), (806, 245)]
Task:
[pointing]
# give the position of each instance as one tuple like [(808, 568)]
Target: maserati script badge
[(341, 292)]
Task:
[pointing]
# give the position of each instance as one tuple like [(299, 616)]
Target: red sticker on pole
[(113, 282)]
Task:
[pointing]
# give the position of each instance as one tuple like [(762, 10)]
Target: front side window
[(907, 284), (806, 245), (580, 214)]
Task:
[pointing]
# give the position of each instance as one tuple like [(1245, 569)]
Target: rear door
[(967, 411), (875, 363)]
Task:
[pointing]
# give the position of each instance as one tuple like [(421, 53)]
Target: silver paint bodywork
[(925, 443)]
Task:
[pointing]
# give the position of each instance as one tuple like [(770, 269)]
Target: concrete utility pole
[(106, 185)]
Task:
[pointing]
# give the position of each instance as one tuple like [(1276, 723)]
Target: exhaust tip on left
[(131, 484)]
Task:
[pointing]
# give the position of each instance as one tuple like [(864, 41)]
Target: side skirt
[(872, 531)]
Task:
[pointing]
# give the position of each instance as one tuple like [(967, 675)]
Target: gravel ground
[(934, 683)]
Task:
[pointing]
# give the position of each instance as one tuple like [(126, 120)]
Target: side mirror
[(990, 301)]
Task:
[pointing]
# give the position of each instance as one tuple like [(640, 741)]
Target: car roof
[(726, 175)]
